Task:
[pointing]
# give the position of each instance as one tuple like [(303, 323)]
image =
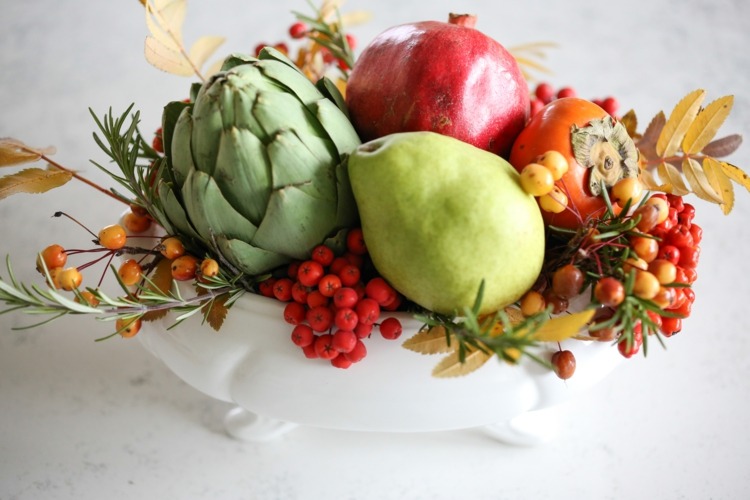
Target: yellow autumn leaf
[(679, 121), (563, 327), (33, 181), (649, 181), (706, 124), (698, 181), (736, 174), (451, 366), (354, 18), (203, 48), (15, 152), (167, 59), (672, 179), (720, 182), (630, 122), (430, 341), (164, 19)]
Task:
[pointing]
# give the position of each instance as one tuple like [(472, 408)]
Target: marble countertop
[(81, 419)]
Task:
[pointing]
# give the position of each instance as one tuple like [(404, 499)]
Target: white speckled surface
[(85, 420)]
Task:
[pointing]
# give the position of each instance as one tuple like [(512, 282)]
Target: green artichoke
[(255, 172)]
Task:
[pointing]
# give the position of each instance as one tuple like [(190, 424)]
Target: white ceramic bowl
[(252, 362)]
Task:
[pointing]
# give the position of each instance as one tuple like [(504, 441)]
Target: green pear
[(439, 216)]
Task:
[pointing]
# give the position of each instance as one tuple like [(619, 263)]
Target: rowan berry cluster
[(544, 93), (332, 305)]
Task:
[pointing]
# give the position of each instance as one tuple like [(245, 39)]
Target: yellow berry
[(627, 189), (69, 279), (664, 270), (663, 207), (555, 162), (536, 179), (645, 286), (556, 201), (113, 237), (209, 268)]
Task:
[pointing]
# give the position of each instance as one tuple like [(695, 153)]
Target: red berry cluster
[(332, 306), (666, 255), (544, 93)]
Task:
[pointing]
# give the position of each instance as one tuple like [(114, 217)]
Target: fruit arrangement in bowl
[(313, 207)]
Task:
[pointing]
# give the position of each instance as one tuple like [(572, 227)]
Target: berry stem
[(82, 179)]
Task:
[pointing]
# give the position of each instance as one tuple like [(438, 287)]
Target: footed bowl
[(253, 363)]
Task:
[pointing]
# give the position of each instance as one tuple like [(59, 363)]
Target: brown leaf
[(33, 181), (706, 124), (672, 179), (451, 366), (161, 281), (215, 311), (647, 142), (736, 174), (431, 341), (679, 121), (698, 181), (15, 152), (720, 182), (725, 146)]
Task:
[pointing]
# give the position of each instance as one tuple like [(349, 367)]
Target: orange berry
[(128, 327), (184, 268), (645, 248), (87, 298), (532, 303), (662, 205), (136, 223), (664, 270), (54, 275), (130, 272), (53, 256), (113, 237), (70, 278), (627, 189), (172, 248)]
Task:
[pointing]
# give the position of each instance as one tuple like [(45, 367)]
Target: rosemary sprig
[(147, 297), (331, 35)]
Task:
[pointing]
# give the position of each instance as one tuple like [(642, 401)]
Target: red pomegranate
[(443, 77)]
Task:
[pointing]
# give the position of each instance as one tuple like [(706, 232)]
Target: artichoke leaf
[(339, 128), (170, 115), (293, 164), (178, 222), (346, 208), (248, 258), (181, 154), (210, 212), (331, 92), (243, 173), (276, 111), (306, 221), (207, 123), (291, 79), (235, 59)]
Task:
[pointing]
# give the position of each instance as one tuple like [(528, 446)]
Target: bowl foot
[(528, 429), (248, 426)]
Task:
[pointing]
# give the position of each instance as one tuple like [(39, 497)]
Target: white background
[(80, 419)]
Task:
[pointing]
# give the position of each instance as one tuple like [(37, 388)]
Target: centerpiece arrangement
[(425, 182)]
